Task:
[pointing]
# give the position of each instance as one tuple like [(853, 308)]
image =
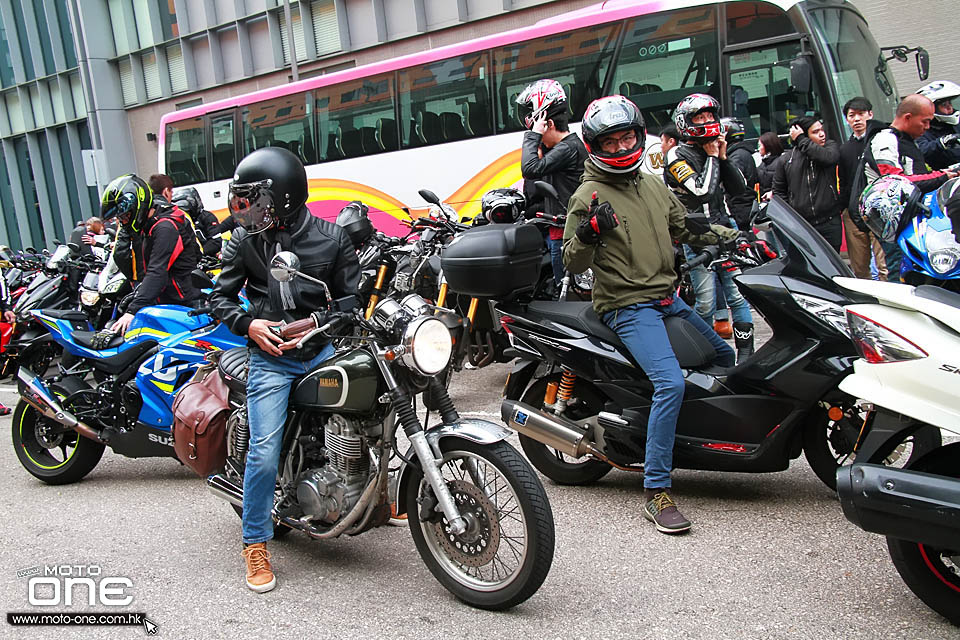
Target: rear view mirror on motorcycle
[(546, 189), (284, 266), (429, 196)]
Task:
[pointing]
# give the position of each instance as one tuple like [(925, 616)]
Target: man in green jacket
[(623, 224)]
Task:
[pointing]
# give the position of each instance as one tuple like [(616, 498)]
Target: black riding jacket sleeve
[(696, 179)]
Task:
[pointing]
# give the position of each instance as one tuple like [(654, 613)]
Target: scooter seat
[(85, 339), (66, 314), (938, 294), (233, 368), (692, 349)]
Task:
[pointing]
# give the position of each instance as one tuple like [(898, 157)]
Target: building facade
[(85, 82)]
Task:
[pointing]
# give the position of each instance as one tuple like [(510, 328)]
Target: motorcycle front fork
[(430, 460)]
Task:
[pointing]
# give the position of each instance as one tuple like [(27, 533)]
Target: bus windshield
[(854, 60)]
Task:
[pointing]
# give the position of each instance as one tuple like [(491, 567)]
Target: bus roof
[(608, 11)]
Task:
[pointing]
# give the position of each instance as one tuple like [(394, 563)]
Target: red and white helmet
[(614, 114), (688, 108), (543, 96)]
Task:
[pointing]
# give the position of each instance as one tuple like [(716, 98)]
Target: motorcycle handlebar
[(708, 254)]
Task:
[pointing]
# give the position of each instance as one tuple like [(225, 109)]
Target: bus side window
[(665, 57), (186, 156), (579, 60)]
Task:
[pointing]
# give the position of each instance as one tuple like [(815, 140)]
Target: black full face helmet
[(501, 206), (355, 221), (734, 129), (268, 187), (129, 200), (688, 108), (188, 200)]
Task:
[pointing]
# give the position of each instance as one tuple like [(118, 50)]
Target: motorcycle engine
[(329, 492)]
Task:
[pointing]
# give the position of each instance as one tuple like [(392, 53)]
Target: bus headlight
[(427, 345)]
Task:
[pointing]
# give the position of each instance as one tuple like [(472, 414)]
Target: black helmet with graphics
[(614, 114), (688, 109), (128, 199), (503, 205), (188, 200), (268, 187), (734, 129)]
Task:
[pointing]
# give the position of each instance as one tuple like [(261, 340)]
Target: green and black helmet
[(128, 199)]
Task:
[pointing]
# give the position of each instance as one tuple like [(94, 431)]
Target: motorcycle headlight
[(825, 311), (89, 298), (113, 287), (945, 260), (427, 345)]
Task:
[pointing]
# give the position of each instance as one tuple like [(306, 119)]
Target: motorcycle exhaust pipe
[(553, 431), (910, 505), (36, 395), (223, 488)]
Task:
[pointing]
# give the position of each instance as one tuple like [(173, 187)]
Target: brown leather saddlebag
[(200, 412)]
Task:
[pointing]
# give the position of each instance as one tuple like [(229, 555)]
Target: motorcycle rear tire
[(923, 568), (532, 508), (549, 461), (78, 463)]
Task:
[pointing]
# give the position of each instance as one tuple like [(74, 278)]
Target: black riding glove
[(951, 140), (601, 219)]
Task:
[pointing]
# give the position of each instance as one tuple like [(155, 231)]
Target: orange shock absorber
[(472, 311), (442, 298), (565, 392), (550, 396), (377, 287)]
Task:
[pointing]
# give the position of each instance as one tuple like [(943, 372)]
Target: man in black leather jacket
[(740, 153), (267, 198), (156, 246), (699, 172)]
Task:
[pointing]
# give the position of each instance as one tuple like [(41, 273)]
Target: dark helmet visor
[(252, 205)]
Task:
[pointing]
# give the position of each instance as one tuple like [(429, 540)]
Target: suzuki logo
[(164, 440)]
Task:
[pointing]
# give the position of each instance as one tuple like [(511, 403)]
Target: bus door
[(762, 92), (222, 144)]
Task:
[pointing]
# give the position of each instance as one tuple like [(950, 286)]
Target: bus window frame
[(208, 119)]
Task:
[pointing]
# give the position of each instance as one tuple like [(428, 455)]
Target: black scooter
[(580, 402)]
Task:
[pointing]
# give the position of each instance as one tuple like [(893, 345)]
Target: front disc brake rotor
[(476, 546)]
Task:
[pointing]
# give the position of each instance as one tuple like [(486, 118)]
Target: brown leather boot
[(260, 576), (723, 328)]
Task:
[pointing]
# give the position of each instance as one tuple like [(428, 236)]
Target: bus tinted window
[(186, 158), (224, 161), (356, 118), (282, 122), (749, 21), (578, 60), (445, 101), (665, 57)]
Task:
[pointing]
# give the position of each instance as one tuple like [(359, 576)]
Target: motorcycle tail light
[(877, 344)]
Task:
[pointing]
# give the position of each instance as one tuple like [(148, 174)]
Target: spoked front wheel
[(507, 549)]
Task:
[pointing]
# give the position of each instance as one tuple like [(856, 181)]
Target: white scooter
[(909, 375)]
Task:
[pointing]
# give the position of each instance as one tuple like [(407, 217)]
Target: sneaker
[(662, 511), (723, 328), (260, 576)]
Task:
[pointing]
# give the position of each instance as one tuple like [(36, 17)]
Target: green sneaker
[(662, 511)]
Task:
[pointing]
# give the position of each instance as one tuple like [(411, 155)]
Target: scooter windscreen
[(807, 250)]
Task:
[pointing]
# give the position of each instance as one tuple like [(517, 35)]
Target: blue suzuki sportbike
[(931, 253), (119, 394)]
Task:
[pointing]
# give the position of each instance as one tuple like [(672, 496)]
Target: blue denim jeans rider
[(640, 327)]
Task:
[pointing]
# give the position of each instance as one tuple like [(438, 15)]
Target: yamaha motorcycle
[(118, 392), (581, 403), (479, 517)]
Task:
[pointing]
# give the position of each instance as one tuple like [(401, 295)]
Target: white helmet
[(543, 96), (942, 90)]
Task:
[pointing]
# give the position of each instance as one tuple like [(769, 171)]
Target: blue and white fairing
[(929, 245)]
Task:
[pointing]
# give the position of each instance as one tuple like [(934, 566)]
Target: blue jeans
[(640, 327), (703, 281), (268, 390), (556, 258)]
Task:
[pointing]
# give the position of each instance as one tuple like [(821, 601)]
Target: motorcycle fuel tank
[(348, 382), (161, 321)]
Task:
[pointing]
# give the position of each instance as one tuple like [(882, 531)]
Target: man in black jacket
[(861, 245), (807, 178), (941, 143), (551, 153), (267, 198), (158, 248), (208, 227), (740, 153), (699, 173)]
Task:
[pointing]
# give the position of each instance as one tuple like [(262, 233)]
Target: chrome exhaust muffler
[(223, 488), (36, 395), (553, 431)]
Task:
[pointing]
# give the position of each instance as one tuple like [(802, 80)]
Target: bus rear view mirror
[(801, 74), (923, 63)]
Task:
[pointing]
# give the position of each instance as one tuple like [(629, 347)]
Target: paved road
[(770, 557)]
